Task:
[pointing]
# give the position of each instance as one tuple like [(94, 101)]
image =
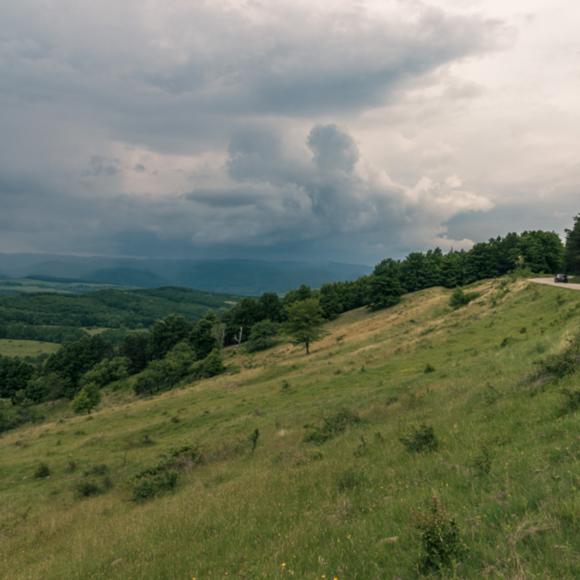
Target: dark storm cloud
[(98, 95)]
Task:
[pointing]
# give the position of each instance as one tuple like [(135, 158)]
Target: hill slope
[(506, 467)]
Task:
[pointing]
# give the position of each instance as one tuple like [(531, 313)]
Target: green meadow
[(26, 348), (337, 482)]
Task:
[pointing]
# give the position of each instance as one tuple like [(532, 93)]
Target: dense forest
[(61, 317), (172, 346)]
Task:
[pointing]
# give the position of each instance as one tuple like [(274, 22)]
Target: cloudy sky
[(346, 130)]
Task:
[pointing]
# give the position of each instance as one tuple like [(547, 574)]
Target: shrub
[(13, 415), (253, 439), (332, 426), (163, 477), (460, 298), (429, 368), (211, 366), (163, 375), (42, 471), (558, 366), (91, 487), (87, 399), (441, 545), (571, 402), (87, 488), (153, 482), (262, 336), (421, 439), (107, 371)]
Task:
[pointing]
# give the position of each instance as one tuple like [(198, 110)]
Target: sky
[(344, 130)]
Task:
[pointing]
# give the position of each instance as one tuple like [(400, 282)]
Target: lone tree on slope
[(305, 322)]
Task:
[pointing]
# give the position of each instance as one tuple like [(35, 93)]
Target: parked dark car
[(561, 278)]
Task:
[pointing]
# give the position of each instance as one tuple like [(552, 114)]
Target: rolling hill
[(415, 440), (59, 317), (231, 276)]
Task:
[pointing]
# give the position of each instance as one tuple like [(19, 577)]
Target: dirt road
[(550, 282)]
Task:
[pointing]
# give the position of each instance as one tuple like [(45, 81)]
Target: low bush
[(211, 366), (107, 371), (13, 415), (153, 482), (87, 488), (42, 471), (421, 439), (332, 426), (560, 365), (90, 487), (163, 477), (86, 399), (460, 298), (163, 375), (441, 545), (571, 402), (262, 336)]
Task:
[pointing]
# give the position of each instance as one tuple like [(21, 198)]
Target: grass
[(505, 471), (26, 348)]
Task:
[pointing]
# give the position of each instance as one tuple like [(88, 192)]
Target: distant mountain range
[(242, 277)]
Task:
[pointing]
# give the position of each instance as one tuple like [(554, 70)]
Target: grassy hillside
[(506, 467)]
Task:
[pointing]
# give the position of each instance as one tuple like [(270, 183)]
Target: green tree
[(573, 247), (14, 376), (107, 371), (75, 359), (136, 348), (86, 399), (262, 336), (168, 332), (163, 375), (211, 366), (303, 292), (385, 289), (305, 322), (47, 387), (331, 301), (271, 307), (203, 336)]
